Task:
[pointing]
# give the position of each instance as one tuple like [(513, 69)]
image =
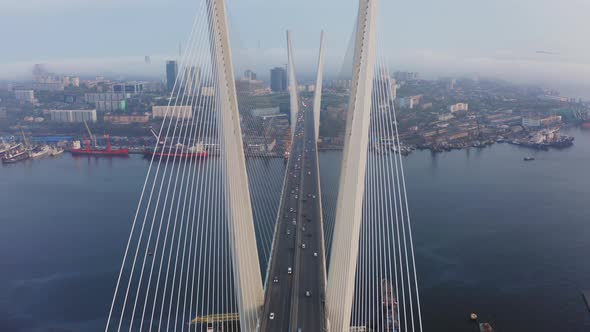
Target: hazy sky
[(435, 37)]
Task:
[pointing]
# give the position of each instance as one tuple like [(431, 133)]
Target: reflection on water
[(493, 234)]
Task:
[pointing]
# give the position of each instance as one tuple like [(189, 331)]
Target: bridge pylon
[(345, 246), (246, 267)]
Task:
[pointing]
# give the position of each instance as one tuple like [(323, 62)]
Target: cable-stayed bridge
[(212, 249)]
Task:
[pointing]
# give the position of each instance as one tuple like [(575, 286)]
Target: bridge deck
[(296, 299)]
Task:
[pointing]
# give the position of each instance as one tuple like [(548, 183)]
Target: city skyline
[(529, 43)]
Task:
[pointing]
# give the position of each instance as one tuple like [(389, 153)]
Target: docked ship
[(390, 305), (6, 149), (39, 152), (15, 156), (55, 151), (177, 151), (93, 151)]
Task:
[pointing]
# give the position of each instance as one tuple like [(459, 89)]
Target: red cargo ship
[(109, 151)]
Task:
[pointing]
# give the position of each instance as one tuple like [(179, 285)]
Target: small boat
[(39, 152), (15, 157), (485, 327), (529, 158), (54, 152), (8, 148)]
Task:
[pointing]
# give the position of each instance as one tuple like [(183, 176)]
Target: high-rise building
[(171, 74), (249, 75), (278, 79)]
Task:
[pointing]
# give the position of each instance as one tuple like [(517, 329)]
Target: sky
[(500, 38)]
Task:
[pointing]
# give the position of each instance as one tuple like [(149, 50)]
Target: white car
[(315, 254), (271, 316), (289, 271)]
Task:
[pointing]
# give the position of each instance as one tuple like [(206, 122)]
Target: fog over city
[(525, 41)]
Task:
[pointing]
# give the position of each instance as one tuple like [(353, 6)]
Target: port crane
[(157, 136), (90, 135)]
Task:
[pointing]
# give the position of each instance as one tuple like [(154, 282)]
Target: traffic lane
[(280, 290), (280, 295), (298, 241), (286, 254), (310, 307)]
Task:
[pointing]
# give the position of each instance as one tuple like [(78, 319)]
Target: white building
[(73, 116), (459, 107), (107, 101), (25, 95), (409, 102), (181, 112)]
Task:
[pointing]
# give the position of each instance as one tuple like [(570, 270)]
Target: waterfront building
[(73, 116), (126, 119), (178, 111)]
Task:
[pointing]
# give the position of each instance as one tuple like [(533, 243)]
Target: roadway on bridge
[(295, 297)]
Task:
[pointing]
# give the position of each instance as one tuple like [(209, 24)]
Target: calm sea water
[(505, 238)]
